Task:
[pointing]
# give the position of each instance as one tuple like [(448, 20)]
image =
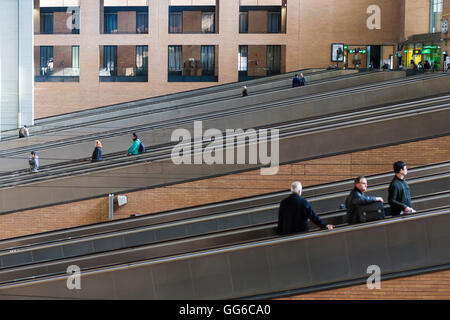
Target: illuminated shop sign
[(357, 50)]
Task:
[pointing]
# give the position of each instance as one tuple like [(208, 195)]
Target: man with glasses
[(357, 198)]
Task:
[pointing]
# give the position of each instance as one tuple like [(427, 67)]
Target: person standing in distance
[(244, 91), (296, 81), (33, 161), (302, 80), (399, 195), (98, 150), (134, 149), (295, 211)]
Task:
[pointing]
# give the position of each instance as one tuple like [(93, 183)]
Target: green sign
[(426, 51)]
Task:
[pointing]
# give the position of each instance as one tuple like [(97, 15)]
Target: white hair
[(296, 187)]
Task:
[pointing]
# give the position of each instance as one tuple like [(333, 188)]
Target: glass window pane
[(141, 22), (75, 56), (243, 22), (141, 60), (273, 23), (46, 60), (110, 59), (110, 22), (175, 22), (273, 60), (208, 22), (47, 23), (175, 56), (243, 54), (208, 60)]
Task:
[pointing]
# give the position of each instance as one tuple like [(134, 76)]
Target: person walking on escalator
[(134, 149), (399, 195), (23, 132), (295, 211), (357, 198), (302, 80), (296, 82), (33, 161), (97, 154), (244, 91)]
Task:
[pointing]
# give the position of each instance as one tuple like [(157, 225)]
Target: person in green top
[(134, 149)]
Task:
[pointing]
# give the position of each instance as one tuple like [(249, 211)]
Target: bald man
[(295, 211)]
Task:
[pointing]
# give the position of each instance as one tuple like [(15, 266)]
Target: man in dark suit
[(296, 82), (399, 194), (357, 198), (295, 211)]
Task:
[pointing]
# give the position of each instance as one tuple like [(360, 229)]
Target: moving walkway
[(265, 265), (298, 141), (190, 234)]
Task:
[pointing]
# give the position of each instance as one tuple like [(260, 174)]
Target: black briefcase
[(370, 212)]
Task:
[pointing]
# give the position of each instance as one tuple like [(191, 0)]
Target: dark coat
[(399, 196), (355, 199), (302, 81), (97, 154), (293, 215), (296, 82)]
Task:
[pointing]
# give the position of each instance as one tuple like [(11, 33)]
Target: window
[(141, 22), (141, 60), (435, 15), (110, 60), (175, 22), (243, 22), (110, 22), (208, 60), (208, 22), (273, 60), (76, 57), (47, 23), (242, 58), (273, 23), (46, 60), (76, 21), (175, 57)]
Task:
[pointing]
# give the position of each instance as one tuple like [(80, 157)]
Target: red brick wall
[(427, 286), (228, 187)]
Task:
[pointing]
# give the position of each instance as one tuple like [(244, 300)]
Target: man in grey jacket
[(33, 162)]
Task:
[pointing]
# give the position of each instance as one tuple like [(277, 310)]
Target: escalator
[(429, 192)]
